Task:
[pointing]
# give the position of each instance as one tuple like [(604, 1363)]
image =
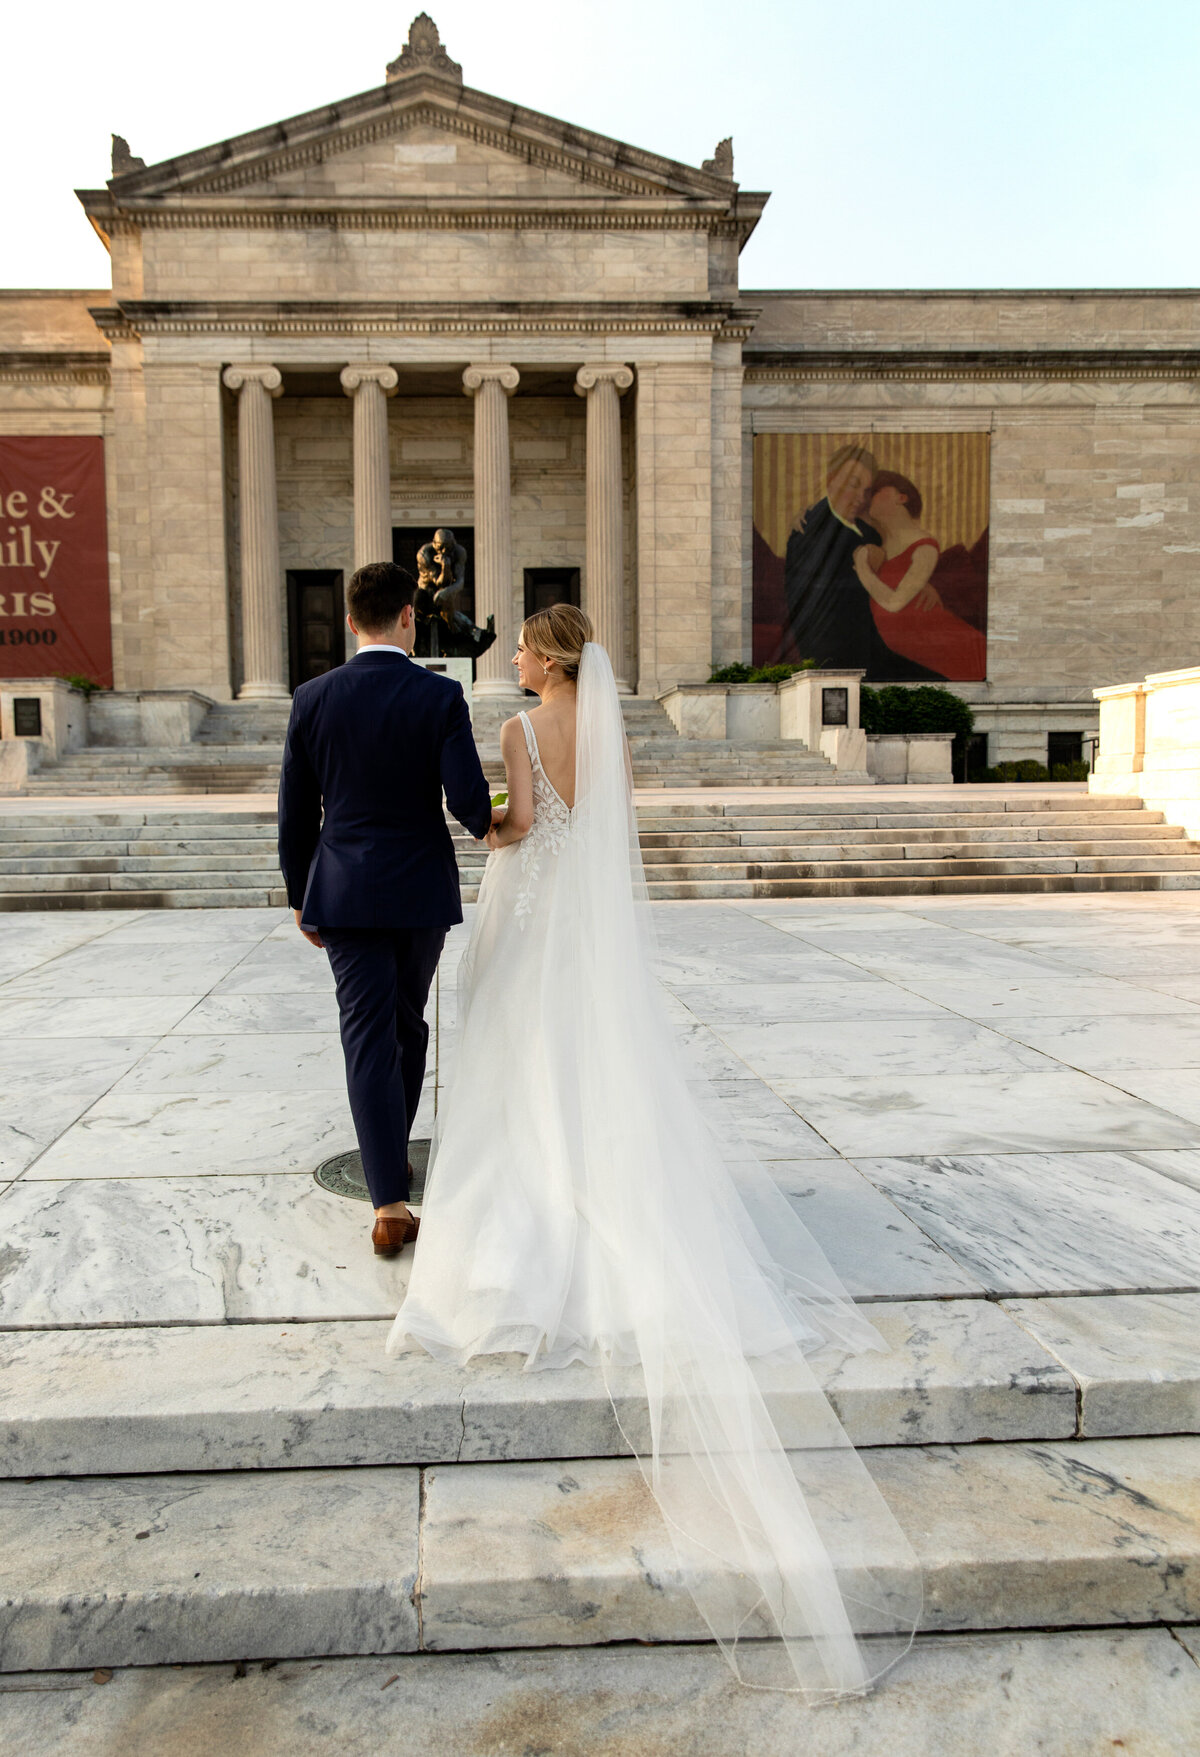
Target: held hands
[(491, 840)]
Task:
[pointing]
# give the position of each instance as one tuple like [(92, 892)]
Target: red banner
[(54, 614)]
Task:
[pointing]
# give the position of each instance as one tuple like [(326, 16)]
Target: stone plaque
[(27, 716), (835, 707)]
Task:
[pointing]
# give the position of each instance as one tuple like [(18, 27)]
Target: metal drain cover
[(343, 1174)]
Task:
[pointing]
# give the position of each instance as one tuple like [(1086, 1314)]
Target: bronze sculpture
[(443, 630)]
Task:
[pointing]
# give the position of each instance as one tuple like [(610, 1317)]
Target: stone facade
[(422, 231)]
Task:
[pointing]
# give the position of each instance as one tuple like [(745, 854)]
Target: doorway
[(316, 629), (545, 586)]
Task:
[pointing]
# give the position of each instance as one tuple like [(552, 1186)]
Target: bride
[(587, 1202)]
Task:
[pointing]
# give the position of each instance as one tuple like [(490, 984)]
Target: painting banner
[(870, 553), (54, 611)]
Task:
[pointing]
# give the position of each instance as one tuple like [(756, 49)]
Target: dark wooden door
[(545, 586), (316, 625)]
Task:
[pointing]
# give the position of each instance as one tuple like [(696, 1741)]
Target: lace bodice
[(551, 824)]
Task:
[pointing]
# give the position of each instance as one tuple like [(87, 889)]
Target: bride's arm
[(517, 821)]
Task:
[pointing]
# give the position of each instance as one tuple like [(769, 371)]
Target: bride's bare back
[(554, 728)]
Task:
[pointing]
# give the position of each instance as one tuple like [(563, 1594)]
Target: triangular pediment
[(419, 139)]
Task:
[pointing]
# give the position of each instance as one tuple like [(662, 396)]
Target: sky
[(938, 143)]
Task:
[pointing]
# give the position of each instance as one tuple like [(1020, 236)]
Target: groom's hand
[(314, 939)]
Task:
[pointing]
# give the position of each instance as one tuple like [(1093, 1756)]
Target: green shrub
[(1077, 771), (927, 708), (740, 673), (88, 685), (1026, 770)]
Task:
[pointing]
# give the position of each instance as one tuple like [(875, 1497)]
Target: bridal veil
[(588, 1200)]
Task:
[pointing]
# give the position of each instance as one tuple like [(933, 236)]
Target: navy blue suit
[(372, 746)]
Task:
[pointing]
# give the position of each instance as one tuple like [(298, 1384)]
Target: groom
[(369, 865)]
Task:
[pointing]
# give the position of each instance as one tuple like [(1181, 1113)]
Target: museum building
[(426, 307)]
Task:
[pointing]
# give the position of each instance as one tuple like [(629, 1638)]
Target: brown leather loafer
[(390, 1235)]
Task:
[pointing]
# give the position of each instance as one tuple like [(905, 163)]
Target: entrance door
[(545, 586), (316, 630)]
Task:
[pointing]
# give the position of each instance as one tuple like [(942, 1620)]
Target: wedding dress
[(587, 1202)]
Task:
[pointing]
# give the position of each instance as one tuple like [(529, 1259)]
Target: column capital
[(384, 376), (475, 377), (588, 377), (269, 377)]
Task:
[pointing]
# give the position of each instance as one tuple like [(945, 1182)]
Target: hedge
[(923, 709)]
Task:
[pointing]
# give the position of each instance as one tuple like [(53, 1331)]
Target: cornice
[(920, 365), (54, 369), (141, 318), (413, 215)]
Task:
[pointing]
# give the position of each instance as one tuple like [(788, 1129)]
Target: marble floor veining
[(961, 1096)]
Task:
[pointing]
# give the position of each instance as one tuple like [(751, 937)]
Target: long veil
[(792, 1554), (588, 1200)]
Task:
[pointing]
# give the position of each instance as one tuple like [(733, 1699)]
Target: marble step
[(1060, 1694), (248, 898), (252, 1396), (255, 860), (668, 891), (695, 852), (1113, 836), (786, 870), (177, 1569)]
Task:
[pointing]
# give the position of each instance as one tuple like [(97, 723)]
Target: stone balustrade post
[(370, 386), (491, 387), (604, 573), (263, 660)]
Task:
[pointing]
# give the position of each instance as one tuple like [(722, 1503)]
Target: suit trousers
[(383, 976)]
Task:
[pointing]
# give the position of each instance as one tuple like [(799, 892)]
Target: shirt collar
[(849, 523), (379, 647)]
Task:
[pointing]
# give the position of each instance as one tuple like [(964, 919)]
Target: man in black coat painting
[(369, 863), (829, 618)]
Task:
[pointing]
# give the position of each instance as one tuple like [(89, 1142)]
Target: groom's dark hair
[(376, 595)]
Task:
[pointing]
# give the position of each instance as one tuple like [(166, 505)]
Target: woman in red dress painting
[(910, 617)]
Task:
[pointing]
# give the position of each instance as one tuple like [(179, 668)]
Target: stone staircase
[(888, 842), (239, 746), (272, 1491)]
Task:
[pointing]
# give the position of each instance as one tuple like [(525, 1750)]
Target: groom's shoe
[(390, 1235)]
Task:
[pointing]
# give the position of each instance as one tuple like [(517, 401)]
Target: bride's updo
[(559, 633)]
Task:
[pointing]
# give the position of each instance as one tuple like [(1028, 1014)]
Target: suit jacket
[(828, 607), (373, 744)]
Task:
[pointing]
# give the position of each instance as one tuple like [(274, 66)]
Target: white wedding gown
[(587, 1202)]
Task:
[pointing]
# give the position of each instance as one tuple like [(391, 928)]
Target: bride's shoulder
[(512, 732)]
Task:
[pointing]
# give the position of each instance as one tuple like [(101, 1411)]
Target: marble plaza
[(987, 1111)]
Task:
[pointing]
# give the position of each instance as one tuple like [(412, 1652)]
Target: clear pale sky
[(939, 143)]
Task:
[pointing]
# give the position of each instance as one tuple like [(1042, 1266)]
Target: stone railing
[(41, 719), (1150, 744), (819, 709)]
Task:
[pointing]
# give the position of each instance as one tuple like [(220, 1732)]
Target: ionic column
[(370, 386), (604, 576), (491, 386), (264, 663)]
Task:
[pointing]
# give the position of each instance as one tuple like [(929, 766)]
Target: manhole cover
[(343, 1174)]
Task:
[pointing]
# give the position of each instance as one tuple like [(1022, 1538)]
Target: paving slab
[(1011, 1112), (1030, 1223), (169, 1569), (1135, 1358), (188, 1250), (1056, 1695)]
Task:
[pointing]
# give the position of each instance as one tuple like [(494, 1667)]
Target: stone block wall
[(1095, 519)]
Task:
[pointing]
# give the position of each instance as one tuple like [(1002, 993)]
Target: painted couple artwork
[(870, 553)]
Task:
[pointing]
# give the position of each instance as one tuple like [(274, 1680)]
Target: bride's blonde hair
[(559, 633)]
